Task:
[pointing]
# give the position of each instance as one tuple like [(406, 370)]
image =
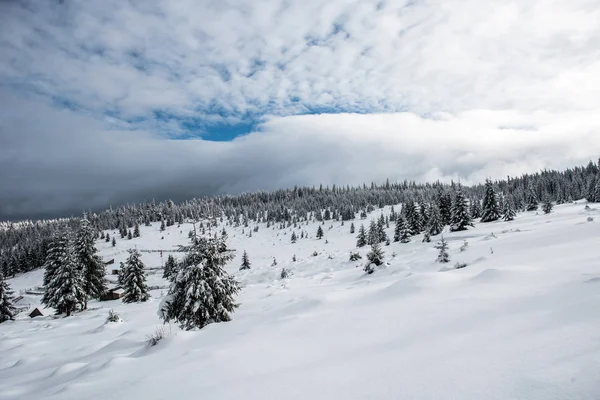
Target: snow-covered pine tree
[(375, 256), (361, 239), (7, 308), (460, 213), (170, 271), (509, 209), (294, 237), (136, 230), (490, 211), (475, 208), (402, 231), (107, 238), (203, 293), (245, 261), (134, 279), (442, 246), (114, 242), (532, 199), (92, 268), (373, 236), (435, 222), (64, 285), (319, 232), (547, 207), (352, 228)]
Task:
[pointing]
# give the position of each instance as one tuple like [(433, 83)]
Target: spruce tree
[(361, 239), (134, 279), (435, 222), (375, 256), (203, 292), (64, 289), (129, 235), (245, 261), (402, 231), (107, 238), (532, 200), (490, 212), (442, 246), (509, 209), (171, 269), (92, 268), (294, 237), (7, 308), (114, 242), (352, 228), (373, 236), (460, 213), (547, 207), (136, 230), (319, 232)]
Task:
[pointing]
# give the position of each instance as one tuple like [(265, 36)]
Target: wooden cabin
[(112, 294), (36, 313)]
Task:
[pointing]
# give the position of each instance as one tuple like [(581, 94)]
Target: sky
[(113, 101)]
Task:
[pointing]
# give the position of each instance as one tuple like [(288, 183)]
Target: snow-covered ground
[(521, 321)]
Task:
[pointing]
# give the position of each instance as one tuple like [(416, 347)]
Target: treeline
[(24, 245)]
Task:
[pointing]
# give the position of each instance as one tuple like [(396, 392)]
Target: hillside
[(520, 321)]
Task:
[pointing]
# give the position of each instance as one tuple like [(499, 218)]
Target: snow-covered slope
[(521, 321)]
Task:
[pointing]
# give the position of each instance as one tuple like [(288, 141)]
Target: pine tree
[(162, 225), (435, 222), (319, 232), (490, 212), (375, 256), (509, 209), (92, 268), (373, 236), (134, 279), (203, 293), (426, 237), (413, 218), (361, 239), (547, 207), (475, 208), (443, 256), (532, 200), (245, 261), (460, 213), (64, 289), (129, 235), (114, 242), (107, 238), (402, 231), (171, 269), (7, 308), (136, 230), (294, 237)]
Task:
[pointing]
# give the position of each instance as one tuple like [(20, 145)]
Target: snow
[(521, 321)]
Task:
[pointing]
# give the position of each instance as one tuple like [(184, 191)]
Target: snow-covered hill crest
[(520, 320)]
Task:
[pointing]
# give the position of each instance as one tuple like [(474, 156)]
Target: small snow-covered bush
[(464, 246), (159, 334), (355, 256), (113, 316), (285, 273), (590, 219), (460, 265), (314, 254)]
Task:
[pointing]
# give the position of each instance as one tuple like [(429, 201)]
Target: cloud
[(62, 162), (92, 95)]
